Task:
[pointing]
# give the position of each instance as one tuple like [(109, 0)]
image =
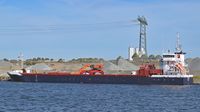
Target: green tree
[(158, 57), (42, 59), (34, 59), (119, 57), (13, 61), (135, 55), (144, 56), (61, 60), (5, 59), (151, 56), (101, 59), (46, 59), (38, 59)]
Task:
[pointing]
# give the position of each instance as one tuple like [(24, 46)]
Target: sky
[(95, 28)]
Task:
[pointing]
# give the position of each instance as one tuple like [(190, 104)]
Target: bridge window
[(168, 56)]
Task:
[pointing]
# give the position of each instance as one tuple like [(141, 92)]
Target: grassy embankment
[(197, 78)]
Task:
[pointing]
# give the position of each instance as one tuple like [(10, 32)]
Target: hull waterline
[(103, 79)]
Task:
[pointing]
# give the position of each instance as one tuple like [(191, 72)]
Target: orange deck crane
[(91, 69)]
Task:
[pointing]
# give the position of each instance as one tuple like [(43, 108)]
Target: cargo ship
[(172, 71)]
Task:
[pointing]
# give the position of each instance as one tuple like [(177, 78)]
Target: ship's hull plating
[(103, 79)]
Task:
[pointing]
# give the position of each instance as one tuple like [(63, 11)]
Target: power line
[(77, 24), (67, 27)]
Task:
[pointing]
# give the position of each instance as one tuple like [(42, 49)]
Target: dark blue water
[(49, 97)]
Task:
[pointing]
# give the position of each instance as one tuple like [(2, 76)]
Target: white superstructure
[(174, 63)]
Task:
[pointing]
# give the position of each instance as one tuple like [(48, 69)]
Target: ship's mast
[(178, 45), (20, 58)]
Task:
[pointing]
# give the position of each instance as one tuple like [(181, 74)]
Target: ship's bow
[(15, 76)]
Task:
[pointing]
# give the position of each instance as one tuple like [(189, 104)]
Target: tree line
[(152, 56)]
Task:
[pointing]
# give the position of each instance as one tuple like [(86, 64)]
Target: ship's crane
[(90, 69)]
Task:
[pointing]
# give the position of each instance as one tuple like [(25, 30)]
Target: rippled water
[(51, 97)]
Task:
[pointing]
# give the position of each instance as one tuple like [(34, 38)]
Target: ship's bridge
[(169, 57)]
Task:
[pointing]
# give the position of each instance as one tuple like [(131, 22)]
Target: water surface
[(53, 97)]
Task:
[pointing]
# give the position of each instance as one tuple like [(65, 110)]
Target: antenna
[(178, 45)]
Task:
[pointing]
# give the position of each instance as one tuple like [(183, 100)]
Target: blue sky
[(95, 28)]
